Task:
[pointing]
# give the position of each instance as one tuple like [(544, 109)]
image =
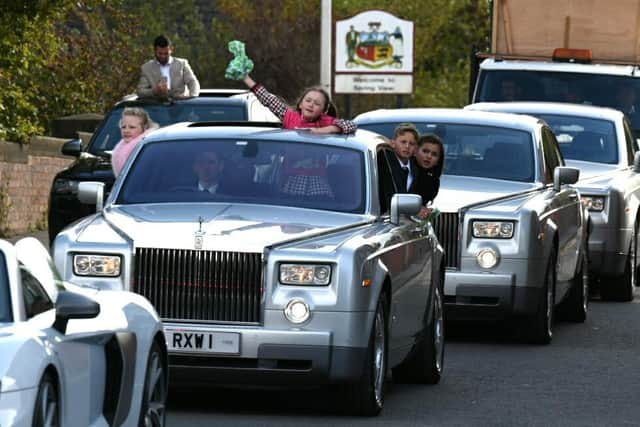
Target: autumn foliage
[(65, 57)]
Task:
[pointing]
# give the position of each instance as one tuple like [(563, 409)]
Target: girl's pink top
[(293, 119), (122, 151)]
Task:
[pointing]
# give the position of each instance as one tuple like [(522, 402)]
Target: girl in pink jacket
[(135, 124), (313, 110)]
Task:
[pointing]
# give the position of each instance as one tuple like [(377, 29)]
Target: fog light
[(487, 258), (297, 311)]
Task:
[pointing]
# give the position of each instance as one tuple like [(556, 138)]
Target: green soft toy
[(241, 64)]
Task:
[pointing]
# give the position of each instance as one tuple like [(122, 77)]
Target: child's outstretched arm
[(266, 98), (346, 126)]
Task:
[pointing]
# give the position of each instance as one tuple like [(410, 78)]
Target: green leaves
[(68, 56)]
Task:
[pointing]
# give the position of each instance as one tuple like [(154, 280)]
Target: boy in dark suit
[(397, 167)]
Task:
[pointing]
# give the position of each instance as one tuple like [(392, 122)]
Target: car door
[(565, 211), (81, 356), (409, 260)]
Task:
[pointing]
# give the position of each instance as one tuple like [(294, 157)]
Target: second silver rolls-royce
[(512, 225)]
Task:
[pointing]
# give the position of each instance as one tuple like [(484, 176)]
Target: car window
[(619, 92), (36, 299), (5, 293), (108, 134), (477, 150), (580, 138), (257, 171)]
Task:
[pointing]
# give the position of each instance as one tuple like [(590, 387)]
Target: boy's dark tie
[(405, 175)]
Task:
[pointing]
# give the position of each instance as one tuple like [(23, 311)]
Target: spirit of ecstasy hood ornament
[(199, 236)]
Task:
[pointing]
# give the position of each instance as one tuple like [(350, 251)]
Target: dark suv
[(94, 160)]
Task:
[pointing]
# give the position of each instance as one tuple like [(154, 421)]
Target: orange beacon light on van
[(565, 54)]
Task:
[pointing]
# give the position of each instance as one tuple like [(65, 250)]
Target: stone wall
[(26, 174)]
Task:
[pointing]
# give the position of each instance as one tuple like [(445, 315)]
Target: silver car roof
[(451, 115), (558, 108), (360, 140)]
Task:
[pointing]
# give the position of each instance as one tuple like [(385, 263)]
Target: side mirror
[(72, 148), (90, 193), (636, 162), (564, 175), (404, 204), (70, 305)]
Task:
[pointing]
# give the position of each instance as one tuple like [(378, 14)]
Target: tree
[(64, 57), (74, 57), (26, 41), (282, 38)]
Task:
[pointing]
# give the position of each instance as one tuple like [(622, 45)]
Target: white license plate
[(202, 342)]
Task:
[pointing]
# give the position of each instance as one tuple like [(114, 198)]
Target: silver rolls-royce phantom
[(267, 256), (512, 225)]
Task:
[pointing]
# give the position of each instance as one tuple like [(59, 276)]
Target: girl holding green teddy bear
[(313, 111)]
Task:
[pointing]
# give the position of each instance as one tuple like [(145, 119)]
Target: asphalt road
[(588, 376)]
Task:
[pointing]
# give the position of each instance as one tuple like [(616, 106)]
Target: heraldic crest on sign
[(374, 48)]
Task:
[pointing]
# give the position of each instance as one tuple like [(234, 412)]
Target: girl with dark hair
[(430, 160)]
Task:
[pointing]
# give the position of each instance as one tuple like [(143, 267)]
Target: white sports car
[(75, 356)]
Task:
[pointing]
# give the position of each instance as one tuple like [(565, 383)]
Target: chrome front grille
[(446, 227), (215, 286)]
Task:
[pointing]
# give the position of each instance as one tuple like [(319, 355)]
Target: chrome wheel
[(585, 285), (366, 395), (633, 261), (47, 408), (540, 325), (438, 318), (379, 355), (155, 391), (550, 285)]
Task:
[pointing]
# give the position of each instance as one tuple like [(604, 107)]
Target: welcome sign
[(374, 54)]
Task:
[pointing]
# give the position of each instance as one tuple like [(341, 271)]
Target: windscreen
[(477, 150), (165, 114), (590, 140), (619, 92), (257, 171), (5, 296)]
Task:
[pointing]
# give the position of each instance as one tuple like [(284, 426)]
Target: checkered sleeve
[(346, 126), (269, 100)]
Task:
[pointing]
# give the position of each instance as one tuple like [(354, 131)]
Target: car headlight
[(493, 229), (65, 186), (96, 265), (305, 274), (593, 203)]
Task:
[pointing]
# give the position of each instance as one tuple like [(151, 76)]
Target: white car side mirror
[(91, 192)]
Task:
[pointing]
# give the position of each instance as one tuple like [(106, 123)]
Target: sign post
[(325, 45)]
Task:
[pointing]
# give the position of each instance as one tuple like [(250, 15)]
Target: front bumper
[(281, 354), (608, 249), (275, 364), (493, 295)]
